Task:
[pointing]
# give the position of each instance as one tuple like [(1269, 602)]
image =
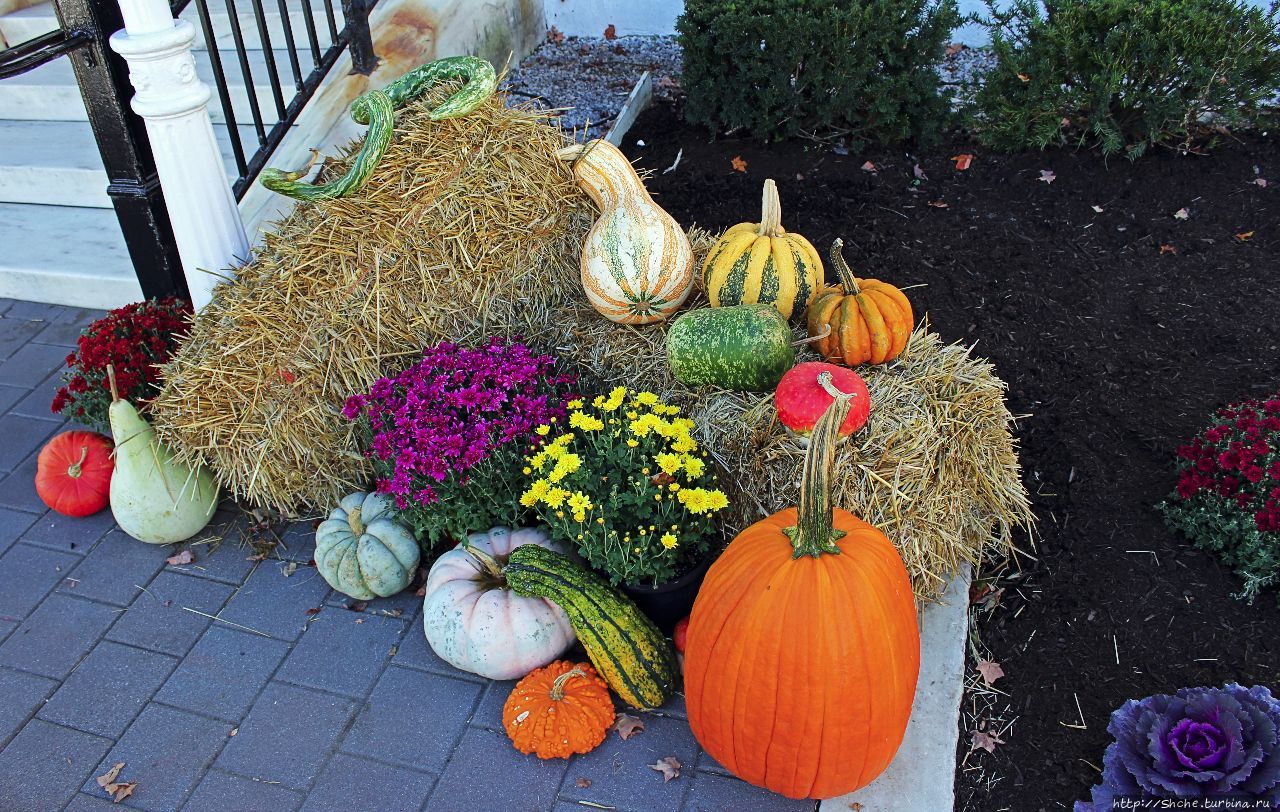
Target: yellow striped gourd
[(637, 263), (762, 263)]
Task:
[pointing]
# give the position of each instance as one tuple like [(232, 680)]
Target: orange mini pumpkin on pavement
[(558, 710), (803, 650), (866, 321), (73, 473)]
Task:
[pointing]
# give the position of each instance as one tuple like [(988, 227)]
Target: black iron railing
[(103, 77)]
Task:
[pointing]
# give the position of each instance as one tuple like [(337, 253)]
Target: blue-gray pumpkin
[(363, 551)]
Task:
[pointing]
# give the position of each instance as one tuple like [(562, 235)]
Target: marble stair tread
[(57, 162), (65, 254), (49, 93), (22, 25)]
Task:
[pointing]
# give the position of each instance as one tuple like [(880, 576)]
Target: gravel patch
[(593, 76)]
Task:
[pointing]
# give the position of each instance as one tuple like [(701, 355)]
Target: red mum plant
[(137, 339), (1228, 494)]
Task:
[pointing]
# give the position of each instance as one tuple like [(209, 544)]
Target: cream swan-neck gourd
[(637, 263), (154, 498)]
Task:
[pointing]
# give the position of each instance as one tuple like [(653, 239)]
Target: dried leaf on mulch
[(184, 557), (1047, 175), (628, 725), (985, 740), (990, 671), (669, 767), (1181, 214), (869, 167), (963, 161), (739, 165)]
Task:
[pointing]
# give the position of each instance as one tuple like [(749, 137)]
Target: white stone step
[(50, 93), (24, 24), (57, 163), (73, 256)]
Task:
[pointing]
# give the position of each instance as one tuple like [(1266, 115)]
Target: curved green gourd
[(377, 109), (362, 551), (626, 648)]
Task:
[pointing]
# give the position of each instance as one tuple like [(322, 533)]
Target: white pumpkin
[(474, 622), (363, 551)]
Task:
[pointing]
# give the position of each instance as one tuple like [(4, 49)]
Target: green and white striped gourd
[(626, 648), (363, 551), (637, 263), (377, 109)]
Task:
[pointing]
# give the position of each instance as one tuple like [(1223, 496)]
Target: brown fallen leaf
[(555, 35), (289, 569), (739, 165), (628, 725), (123, 791), (669, 767), (987, 741), (954, 48), (869, 167), (109, 777), (990, 671), (314, 611), (938, 204), (855, 806), (1047, 175), (582, 783), (1024, 77), (963, 160), (184, 557), (1168, 249), (357, 606), (610, 32), (1244, 236), (1260, 182)]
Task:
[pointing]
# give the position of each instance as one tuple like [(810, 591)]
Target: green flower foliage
[(1219, 526), (780, 68), (1124, 75)]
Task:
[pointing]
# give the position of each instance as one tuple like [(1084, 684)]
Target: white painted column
[(174, 103)]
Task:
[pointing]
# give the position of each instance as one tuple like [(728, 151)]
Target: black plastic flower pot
[(666, 603)]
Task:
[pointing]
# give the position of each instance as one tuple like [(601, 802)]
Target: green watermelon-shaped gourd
[(154, 498), (744, 347)]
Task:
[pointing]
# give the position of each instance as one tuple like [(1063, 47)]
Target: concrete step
[(50, 93), (73, 256), (56, 163), (22, 25)]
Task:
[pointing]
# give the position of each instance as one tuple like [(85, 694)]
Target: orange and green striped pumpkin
[(762, 263), (637, 263), (859, 321)]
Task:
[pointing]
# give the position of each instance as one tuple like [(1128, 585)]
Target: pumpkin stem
[(770, 211), (557, 687), (826, 331), (111, 379), (487, 562), (828, 385), (815, 533), (76, 467), (847, 280)]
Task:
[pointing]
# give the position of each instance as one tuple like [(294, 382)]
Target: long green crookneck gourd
[(377, 109), (626, 648), (154, 498)]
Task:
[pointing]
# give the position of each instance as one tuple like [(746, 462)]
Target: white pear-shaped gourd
[(154, 498), (637, 263)]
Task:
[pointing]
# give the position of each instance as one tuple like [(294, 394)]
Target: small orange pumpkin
[(558, 710), (869, 321)]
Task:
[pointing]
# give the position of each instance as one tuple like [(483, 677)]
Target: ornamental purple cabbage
[(1198, 743)]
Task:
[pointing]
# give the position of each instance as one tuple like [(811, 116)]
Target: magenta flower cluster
[(452, 410)]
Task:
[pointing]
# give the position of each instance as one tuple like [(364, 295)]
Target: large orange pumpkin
[(803, 649)]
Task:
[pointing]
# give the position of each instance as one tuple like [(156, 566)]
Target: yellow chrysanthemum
[(694, 467), (616, 397), (695, 500), (586, 422), (536, 491), (632, 443), (669, 541), (669, 463), (579, 501), (553, 451), (574, 404), (684, 445), (716, 500), (555, 497), (646, 398), (543, 430), (538, 460)]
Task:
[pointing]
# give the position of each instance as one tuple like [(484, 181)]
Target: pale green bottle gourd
[(154, 498)]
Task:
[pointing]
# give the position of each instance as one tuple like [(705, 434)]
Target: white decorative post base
[(174, 102)]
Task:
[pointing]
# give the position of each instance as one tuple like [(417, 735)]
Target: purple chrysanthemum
[(1200, 742)]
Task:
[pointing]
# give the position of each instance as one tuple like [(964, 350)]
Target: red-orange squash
[(803, 649), (73, 473), (807, 390)]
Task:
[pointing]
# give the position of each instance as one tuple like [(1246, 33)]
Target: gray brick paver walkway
[(278, 709)]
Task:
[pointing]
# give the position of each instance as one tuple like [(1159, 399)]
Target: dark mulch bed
[(1116, 350)]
